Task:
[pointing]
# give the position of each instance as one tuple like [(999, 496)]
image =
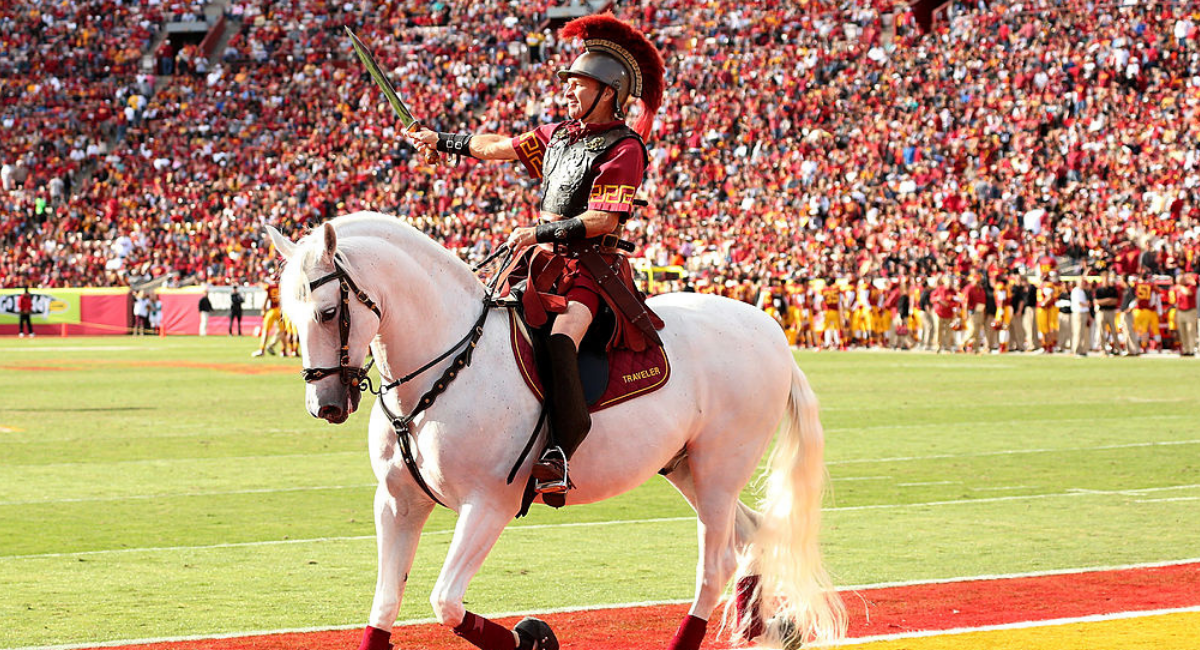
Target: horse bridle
[(357, 377), (350, 375)]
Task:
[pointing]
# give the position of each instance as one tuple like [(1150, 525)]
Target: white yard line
[(176, 495), (598, 524), (541, 612), (1010, 452), (894, 459)]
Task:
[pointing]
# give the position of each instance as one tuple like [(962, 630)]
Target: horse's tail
[(794, 589)]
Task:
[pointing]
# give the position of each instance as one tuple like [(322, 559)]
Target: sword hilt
[(431, 157)]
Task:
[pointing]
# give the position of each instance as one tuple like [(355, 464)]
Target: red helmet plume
[(638, 68)]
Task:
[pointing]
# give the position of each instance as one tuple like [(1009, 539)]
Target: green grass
[(146, 492)]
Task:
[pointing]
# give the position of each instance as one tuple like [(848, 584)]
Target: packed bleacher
[(796, 142)]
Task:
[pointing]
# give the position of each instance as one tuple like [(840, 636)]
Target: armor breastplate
[(570, 168)]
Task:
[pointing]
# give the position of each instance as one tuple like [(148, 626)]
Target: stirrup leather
[(550, 472)]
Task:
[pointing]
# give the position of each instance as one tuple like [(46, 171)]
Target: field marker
[(175, 495), (597, 524), (1095, 618), (991, 423), (851, 461), (589, 608), (1011, 452)]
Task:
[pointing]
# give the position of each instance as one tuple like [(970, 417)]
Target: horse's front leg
[(399, 519), (478, 528)]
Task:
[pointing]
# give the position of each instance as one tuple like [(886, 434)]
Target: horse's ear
[(282, 244), (330, 243)]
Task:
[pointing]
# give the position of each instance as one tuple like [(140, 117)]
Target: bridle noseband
[(354, 376)]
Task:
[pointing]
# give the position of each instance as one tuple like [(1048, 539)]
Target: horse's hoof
[(536, 635)]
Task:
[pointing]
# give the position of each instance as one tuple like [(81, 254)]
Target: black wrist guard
[(458, 144), (565, 230)]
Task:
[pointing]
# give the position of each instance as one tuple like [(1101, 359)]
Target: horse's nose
[(332, 413)]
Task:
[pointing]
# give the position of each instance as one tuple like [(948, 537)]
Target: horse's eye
[(328, 314)]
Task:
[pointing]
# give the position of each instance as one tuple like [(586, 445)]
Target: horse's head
[(335, 321)]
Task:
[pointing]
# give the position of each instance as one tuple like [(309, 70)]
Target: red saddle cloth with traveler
[(636, 364), (630, 374)]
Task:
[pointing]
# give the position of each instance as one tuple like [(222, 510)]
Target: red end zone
[(873, 612)]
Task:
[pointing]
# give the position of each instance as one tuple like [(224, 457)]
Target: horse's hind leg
[(747, 519), (398, 523), (724, 523), (749, 621)]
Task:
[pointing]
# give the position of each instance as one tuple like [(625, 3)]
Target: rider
[(590, 165)]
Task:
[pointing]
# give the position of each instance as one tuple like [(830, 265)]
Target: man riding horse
[(591, 166)]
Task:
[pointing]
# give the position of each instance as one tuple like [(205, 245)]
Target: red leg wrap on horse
[(745, 608), (375, 639), (689, 635), (484, 634)]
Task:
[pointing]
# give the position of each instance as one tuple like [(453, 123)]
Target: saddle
[(609, 377)]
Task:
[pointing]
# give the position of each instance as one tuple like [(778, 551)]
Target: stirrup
[(550, 472)]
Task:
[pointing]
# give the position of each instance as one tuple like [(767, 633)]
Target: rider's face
[(580, 93)]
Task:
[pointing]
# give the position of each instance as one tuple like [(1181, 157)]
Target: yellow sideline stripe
[(1171, 631)]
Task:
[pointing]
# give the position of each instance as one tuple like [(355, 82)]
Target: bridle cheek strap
[(350, 375)]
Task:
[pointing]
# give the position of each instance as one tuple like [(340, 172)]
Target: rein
[(357, 376)]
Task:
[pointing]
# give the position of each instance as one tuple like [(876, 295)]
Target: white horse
[(733, 382)]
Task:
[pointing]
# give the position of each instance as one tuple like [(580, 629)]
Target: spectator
[(1081, 318), (25, 313), (235, 310), (206, 309), (1185, 314)]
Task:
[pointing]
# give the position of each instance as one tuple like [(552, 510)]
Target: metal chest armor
[(571, 167)]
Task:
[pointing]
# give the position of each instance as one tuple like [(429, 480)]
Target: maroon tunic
[(556, 280)]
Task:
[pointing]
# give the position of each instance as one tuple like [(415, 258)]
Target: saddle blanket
[(630, 374)]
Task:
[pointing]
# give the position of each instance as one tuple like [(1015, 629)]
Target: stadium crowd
[(799, 145)]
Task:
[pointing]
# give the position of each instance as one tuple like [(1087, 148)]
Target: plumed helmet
[(619, 56)]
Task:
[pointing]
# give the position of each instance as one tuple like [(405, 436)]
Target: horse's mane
[(354, 232)]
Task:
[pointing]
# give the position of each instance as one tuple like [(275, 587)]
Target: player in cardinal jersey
[(831, 299), (1004, 311), (272, 328), (1047, 312), (1146, 312)]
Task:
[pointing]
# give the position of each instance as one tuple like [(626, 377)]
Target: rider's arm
[(484, 146), (490, 146)]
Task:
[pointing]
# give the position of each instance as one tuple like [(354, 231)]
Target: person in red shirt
[(945, 309), (1185, 314), (974, 299), (25, 313)]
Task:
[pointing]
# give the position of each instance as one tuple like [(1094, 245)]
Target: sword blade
[(381, 80)]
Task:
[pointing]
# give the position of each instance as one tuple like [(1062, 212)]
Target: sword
[(389, 91)]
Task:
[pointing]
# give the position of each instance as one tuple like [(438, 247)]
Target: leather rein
[(357, 376)]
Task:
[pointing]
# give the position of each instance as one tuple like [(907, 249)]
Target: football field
[(165, 488)]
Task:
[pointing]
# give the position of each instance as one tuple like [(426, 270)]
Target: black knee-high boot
[(569, 416)]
